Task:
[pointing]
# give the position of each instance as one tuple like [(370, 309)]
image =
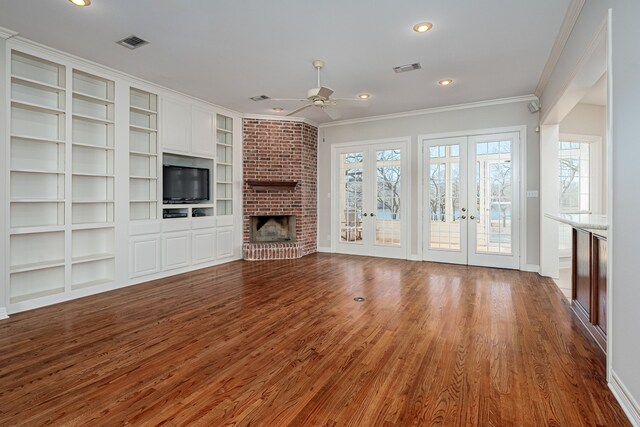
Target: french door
[(471, 193), (369, 214)]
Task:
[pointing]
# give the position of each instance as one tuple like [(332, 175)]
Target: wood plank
[(284, 343)]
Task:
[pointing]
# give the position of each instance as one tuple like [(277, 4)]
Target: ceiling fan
[(320, 97)]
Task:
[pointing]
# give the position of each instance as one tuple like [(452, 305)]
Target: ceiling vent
[(259, 98), (407, 67), (132, 42)]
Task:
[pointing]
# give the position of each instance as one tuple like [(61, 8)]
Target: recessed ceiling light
[(364, 96), (446, 82), (81, 2), (278, 110), (422, 27)]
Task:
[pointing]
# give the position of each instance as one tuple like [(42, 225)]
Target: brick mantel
[(280, 152)]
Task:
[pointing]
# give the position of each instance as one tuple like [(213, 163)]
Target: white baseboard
[(3, 313), (626, 400), (531, 267), (324, 249), (413, 257)]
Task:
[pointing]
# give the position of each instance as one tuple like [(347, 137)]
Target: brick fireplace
[(280, 171)]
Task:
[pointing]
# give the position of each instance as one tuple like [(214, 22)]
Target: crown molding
[(280, 118), (434, 110), (569, 21), (19, 41), (6, 33)]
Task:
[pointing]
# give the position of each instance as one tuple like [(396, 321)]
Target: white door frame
[(521, 182), (405, 143)]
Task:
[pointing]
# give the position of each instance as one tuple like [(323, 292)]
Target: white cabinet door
[(202, 132), (203, 246), (145, 255), (176, 125), (176, 250), (225, 242)]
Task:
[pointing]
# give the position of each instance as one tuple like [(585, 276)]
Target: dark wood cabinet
[(589, 282), (600, 282), (581, 274)]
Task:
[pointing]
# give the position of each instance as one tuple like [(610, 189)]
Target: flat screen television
[(182, 184)]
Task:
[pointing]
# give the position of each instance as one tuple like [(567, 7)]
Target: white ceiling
[(227, 51)]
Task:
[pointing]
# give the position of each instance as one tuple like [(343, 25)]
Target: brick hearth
[(275, 150)]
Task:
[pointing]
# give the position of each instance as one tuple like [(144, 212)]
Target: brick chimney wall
[(278, 150)]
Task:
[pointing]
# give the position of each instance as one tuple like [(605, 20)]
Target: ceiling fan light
[(363, 96), (422, 27), (446, 82), (81, 2)]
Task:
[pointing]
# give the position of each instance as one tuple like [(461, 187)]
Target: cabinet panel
[(145, 255), (176, 125), (225, 243), (176, 250), (203, 246), (582, 269), (202, 132), (600, 282)]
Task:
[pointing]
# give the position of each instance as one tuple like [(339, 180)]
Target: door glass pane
[(574, 181), (351, 197), (494, 185), (388, 184), (444, 196)]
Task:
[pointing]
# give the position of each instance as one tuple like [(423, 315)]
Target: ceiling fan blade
[(299, 109), (325, 92), (331, 113)]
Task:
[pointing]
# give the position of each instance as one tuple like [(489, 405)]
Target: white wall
[(494, 116), (624, 233), (585, 119)]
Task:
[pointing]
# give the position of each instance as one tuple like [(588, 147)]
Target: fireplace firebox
[(273, 228)]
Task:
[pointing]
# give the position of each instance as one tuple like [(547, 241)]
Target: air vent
[(259, 98), (407, 67), (132, 42)]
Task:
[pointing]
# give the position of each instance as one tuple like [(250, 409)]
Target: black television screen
[(184, 184)]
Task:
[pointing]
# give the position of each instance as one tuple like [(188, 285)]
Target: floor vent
[(132, 42)]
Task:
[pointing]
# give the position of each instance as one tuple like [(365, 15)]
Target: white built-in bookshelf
[(224, 165), (85, 209), (37, 177), (143, 155), (93, 176)]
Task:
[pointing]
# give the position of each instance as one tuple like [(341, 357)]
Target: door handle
[(464, 217), (364, 214), (472, 217), (372, 214), (464, 209)]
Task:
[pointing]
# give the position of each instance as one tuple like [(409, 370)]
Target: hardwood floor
[(284, 343)]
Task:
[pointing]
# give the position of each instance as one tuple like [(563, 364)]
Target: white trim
[(626, 400), (433, 110), (588, 54), (533, 268), (324, 249), (569, 21), (280, 118), (522, 130), (3, 313), (413, 257), (610, 208), (6, 33)]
